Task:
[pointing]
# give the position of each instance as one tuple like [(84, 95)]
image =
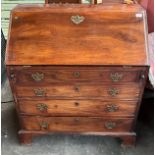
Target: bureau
[(77, 68)]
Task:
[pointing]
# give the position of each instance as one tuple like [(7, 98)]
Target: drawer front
[(110, 91), (75, 124), (50, 75), (64, 1), (77, 107)]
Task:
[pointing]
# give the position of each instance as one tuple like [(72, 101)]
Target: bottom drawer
[(76, 124)]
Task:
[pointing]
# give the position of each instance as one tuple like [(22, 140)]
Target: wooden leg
[(128, 141), (25, 138)]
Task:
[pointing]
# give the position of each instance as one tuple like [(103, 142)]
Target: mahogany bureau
[(77, 68)]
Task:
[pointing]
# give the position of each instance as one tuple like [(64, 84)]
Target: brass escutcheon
[(111, 107), (39, 92), (77, 88), (113, 91), (76, 103), (37, 76), (110, 125), (77, 19), (76, 74), (44, 125), (115, 77), (42, 107)]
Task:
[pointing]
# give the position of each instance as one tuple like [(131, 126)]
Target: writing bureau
[(77, 68)]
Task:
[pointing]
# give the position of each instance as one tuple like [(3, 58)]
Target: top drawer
[(48, 74)]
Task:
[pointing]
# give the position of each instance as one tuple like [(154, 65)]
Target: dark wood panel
[(48, 75), (78, 107), (81, 90), (76, 124), (107, 35)]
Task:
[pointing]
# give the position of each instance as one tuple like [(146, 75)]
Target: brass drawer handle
[(113, 91), (116, 77), (77, 19), (37, 76), (42, 107), (110, 125), (44, 125), (39, 92), (76, 74), (112, 108)]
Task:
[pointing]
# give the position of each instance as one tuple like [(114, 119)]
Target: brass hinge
[(128, 2)]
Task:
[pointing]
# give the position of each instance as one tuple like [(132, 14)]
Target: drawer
[(64, 1), (76, 124), (131, 91), (50, 75), (77, 107)]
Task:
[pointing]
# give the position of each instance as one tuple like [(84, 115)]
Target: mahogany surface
[(70, 74), (86, 78), (76, 124), (74, 107), (110, 34)]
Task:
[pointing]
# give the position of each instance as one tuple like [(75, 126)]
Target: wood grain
[(72, 74), (80, 124), (128, 92), (78, 107), (109, 35), (63, 1)]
